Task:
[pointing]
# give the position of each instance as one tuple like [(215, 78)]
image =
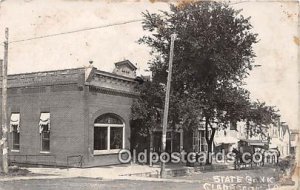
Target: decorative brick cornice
[(114, 92), (45, 78), (68, 79)]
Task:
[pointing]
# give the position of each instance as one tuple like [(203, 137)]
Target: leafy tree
[(261, 116), (213, 54), (146, 113)]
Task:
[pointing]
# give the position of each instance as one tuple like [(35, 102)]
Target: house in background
[(228, 138), (294, 141), (274, 136), (70, 117), (285, 139), (280, 138)]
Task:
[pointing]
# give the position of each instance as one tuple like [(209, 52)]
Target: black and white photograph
[(149, 94)]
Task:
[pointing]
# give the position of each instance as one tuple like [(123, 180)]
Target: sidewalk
[(104, 172), (124, 171)]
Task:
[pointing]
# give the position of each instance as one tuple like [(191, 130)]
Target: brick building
[(70, 117)]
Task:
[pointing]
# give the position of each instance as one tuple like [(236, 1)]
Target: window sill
[(44, 152), (15, 150), (103, 152)]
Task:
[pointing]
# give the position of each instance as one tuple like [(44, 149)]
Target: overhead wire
[(95, 27)]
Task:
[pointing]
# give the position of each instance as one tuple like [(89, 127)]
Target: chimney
[(91, 63), (88, 71)]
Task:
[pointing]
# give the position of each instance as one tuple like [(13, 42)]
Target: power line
[(79, 30), (102, 26)]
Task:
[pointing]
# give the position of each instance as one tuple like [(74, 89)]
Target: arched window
[(109, 131)]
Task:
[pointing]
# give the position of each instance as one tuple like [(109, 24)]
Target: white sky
[(275, 82)]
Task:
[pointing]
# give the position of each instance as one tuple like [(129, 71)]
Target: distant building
[(70, 117), (228, 138), (273, 136), (280, 138), (294, 141)]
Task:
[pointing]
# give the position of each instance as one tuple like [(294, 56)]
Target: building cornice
[(114, 92), (45, 78), (115, 76), (99, 81)]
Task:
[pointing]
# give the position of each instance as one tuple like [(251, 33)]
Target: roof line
[(36, 72), (129, 63), (113, 75)]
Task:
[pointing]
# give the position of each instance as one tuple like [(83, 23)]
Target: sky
[(275, 81)]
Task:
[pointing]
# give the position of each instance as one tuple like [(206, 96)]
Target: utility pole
[(166, 108), (4, 106)]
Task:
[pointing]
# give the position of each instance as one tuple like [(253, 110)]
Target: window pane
[(45, 141), (100, 138), (45, 145), (16, 147), (116, 137), (15, 128), (202, 133), (16, 140), (233, 126), (108, 119), (46, 135), (45, 127), (103, 120)]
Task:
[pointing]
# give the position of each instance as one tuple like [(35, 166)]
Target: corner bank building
[(75, 117)]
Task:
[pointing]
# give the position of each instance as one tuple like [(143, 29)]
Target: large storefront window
[(108, 134)]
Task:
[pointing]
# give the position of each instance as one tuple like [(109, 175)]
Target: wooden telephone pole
[(166, 108), (4, 106)]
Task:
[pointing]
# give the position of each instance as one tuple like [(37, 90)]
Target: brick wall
[(73, 108), (67, 127), (99, 104)]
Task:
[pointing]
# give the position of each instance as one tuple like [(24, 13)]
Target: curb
[(32, 178)]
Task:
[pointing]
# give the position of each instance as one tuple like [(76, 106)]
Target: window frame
[(108, 126), (203, 145), (12, 131), (13, 140), (41, 141), (42, 131), (202, 141)]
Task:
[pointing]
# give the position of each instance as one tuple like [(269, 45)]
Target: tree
[(146, 113), (261, 116), (213, 55)]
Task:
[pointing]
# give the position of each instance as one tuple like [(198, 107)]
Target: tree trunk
[(209, 147), (247, 129), (151, 146), (208, 139)]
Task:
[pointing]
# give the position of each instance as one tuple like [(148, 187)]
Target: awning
[(15, 121), (44, 120), (255, 142), (225, 140)]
